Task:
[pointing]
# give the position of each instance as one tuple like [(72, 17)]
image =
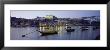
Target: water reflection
[(32, 34)]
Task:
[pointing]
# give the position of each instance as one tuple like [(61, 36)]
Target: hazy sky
[(29, 14)]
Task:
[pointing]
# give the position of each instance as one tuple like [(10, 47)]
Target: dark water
[(31, 34)]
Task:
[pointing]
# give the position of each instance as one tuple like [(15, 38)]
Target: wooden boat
[(49, 32)]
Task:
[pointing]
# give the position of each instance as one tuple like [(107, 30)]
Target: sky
[(30, 14)]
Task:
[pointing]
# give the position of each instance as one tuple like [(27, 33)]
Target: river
[(31, 34)]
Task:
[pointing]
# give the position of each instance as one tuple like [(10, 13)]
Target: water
[(31, 34)]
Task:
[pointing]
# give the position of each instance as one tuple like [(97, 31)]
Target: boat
[(69, 29), (44, 33), (84, 28), (48, 32)]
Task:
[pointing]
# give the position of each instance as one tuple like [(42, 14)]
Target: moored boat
[(84, 28), (44, 33), (47, 32), (69, 29)]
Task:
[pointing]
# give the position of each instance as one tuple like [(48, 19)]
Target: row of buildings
[(50, 20)]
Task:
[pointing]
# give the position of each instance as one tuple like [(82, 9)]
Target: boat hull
[(45, 33), (70, 30)]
